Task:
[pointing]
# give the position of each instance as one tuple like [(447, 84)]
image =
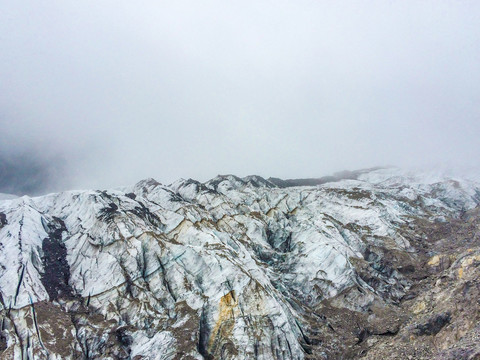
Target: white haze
[(105, 93)]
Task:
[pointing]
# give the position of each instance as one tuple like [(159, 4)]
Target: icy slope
[(229, 269)]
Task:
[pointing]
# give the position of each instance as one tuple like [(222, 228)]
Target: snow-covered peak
[(258, 181), (225, 182)]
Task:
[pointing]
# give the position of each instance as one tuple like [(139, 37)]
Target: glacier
[(233, 268)]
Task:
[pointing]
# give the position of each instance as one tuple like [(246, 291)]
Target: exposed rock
[(3, 220), (433, 324), (375, 264)]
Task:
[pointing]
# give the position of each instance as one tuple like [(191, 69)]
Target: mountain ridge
[(232, 268)]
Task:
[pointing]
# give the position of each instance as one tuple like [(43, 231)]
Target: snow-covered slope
[(228, 269)]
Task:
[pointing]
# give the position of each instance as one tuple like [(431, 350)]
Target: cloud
[(28, 173), (124, 91)]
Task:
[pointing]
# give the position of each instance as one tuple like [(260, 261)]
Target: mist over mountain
[(174, 90), (30, 174), (292, 253)]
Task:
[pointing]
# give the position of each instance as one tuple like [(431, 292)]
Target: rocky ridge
[(381, 264)]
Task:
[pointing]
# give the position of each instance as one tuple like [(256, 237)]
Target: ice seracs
[(234, 268)]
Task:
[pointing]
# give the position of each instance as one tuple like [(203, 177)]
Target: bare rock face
[(442, 308), (376, 264)]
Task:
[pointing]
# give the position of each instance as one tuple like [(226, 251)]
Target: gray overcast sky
[(105, 93)]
